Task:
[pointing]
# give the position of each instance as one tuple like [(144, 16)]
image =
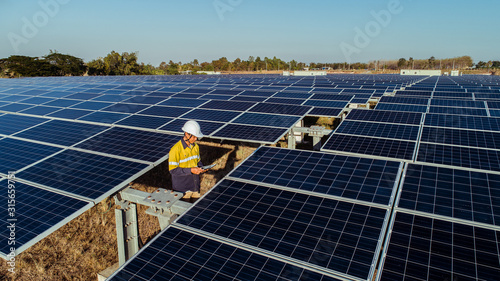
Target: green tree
[(67, 65), (432, 62), (402, 63)]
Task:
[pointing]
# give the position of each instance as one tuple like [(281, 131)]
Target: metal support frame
[(316, 132), (164, 204), (127, 232)]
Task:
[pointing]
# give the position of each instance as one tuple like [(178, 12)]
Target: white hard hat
[(193, 128)]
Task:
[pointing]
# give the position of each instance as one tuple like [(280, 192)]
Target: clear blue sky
[(308, 31)]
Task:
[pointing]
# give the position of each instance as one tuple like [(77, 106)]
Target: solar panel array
[(410, 193), (87, 137)]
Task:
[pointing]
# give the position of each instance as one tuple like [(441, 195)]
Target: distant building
[(424, 72), (209, 72)]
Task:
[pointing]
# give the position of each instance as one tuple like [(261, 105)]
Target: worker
[(184, 162)]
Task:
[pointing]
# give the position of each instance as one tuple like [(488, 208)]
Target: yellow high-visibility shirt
[(181, 159)]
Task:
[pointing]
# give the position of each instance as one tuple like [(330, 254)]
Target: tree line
[(114, 63)]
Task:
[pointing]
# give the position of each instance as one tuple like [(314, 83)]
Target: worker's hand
[(197, 170)]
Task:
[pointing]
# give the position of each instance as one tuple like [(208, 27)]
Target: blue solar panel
[(81, 173), (14, 98), (410, 118), (111, 98), (325, 111), (104, 117), (211, 115), (15, 107), (12, 123), (350, 177), (333, 97), (293, 225), (228, 105), (370, 146), (40, 110), (250, 133), (494, 104), (401, 107), (302, 96), (92, 105), (465, 122), (82, 96), (216, 97), (136, 144), (56, 94), (267, 120), (257, 93), (249, 98), (37, 100), (183, 102), (180, 255), (17, 154), (484, 159), (461, 137), (143, 121), (460, 194), (430, 249), (36, 211), (125, 108), (61, 132), (285, 101), (62, 103), (70, 113), (404, 100), (373, 129), (144, 100), (285, 109), (458, 103), (458, 110), (324, 103), (165, 111), (494, 113)]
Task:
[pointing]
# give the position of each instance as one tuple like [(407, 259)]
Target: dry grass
[(87, 245)]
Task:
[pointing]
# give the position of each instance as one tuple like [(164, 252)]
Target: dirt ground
[(87, 245)]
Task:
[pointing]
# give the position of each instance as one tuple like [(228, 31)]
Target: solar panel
[(104, 117), (12, 123), (461, 194), (250, 133), (183, 255), (142, 121), (125, 108), (366, 180), (61, 132), (267, 120), (465, 122), (483, 159), (404, 100), (62, 103), (83, 174), (135, 144), (292, 225), (248, 98), (211, 115), (91, 105), (165, 111), (397, 149), (410, 118), (111, 98), (302, 96), (37, 100), (227, 105), (15, 107), (461, 137), (183, 102), (374, 129), (36, 212), (494, 113), (40, 110), (286, 109), (70, 113), (81, 96), (324, 103), (144, 100), (401, 107), (457, 103), (285, 101), (458, 110), (17, 154), (257, 93), (423, 248), (325, 111), (333, 97)]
